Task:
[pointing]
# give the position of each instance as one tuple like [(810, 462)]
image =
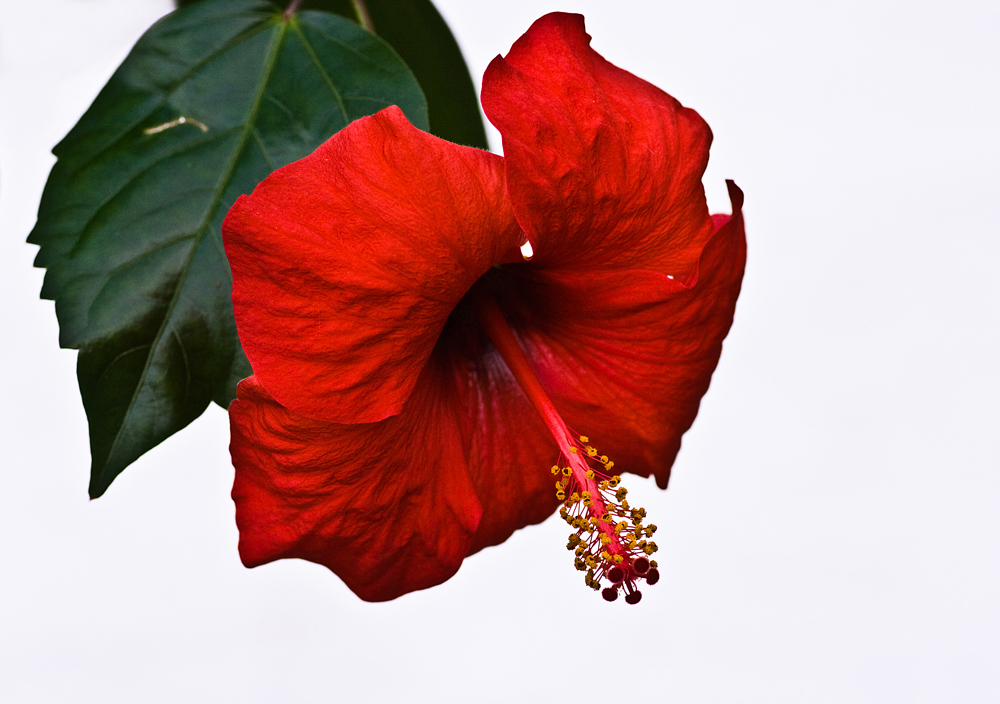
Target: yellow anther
[(591, 451), (652, 563), (605, 555), (605, 539), (588, 502), (560, 485), (609, 465), (574, 497), (563, 513), (606, 518), (604, 459), (560, 494), (619, 559), (603, 486), (650, 530), (624, 505), (555, 469), (573, 450), (650, 548), (620, 527), (566, 471), (584, 438), (621, 493), (590, 474)]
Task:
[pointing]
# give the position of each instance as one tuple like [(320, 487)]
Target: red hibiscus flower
[(426, 321)]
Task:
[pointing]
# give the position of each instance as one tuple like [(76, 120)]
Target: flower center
[(609, 539)]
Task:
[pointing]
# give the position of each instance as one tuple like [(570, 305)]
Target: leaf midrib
[(223, 183)]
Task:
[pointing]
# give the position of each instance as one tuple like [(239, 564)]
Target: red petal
[(388, 506), (346, 264), (627, 356), (604, 169), (393, 506)]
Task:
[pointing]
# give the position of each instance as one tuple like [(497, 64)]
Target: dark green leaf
[(420, 36), (129, 224), (415, 29)]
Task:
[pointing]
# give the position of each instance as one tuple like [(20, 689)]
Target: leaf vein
[(84, 236), (149, 252), (121, 355), (263, 149), (187, 364), (322, 71)]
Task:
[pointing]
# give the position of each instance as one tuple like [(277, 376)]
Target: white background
[(831, 532)]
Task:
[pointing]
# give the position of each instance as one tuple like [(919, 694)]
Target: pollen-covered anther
[(609, 539)]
